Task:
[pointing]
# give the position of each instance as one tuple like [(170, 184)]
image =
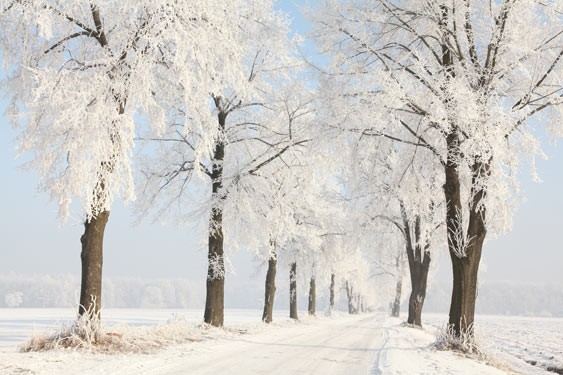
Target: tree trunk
[(464, 293), (215, 293), (312, 296), (332, 286), (357, 303), (351, 302), (214, 301), (418, 256), (92, 260), (396, 309), (465, 264), (270, 290), (465, 247), (293, 291), (419, 279)]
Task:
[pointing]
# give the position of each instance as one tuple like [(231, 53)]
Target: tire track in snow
[(380, 356)]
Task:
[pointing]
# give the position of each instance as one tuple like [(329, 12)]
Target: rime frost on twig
[(457, 237)]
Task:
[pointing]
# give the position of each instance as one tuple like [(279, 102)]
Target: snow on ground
[(342, 344), (536, 341), (527, 343), (409, 351)]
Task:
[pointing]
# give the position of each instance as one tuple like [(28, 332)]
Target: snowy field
[(530, 340), (343, 344)]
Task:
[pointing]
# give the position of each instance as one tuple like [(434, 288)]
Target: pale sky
[(31, 240)]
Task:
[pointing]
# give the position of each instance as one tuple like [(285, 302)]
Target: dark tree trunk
[(293, 291), (465, 249), (214, 301), (92, 260), (396, 309), (352, 309), (464, 293), (465, 264), (312, 296), (215, 293), (270, 290), (418, 256), (332, 286), (418, 293)]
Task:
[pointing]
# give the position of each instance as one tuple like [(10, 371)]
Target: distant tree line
[(61, 291)]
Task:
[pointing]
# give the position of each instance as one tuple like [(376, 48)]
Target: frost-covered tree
[(403, 193), (268, 203), (299, 224), (213, 176), (316, 236), (464, 80), (345, 256), (82, 72)]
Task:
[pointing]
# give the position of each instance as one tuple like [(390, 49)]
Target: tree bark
[(92, 261), (465, 249), (312, 296), (270, 289), (214, 301), (465, 264), (332, 286), (418, 256), (419, 276), (464, 293), (215, 286), (352, 309), (293, 291)]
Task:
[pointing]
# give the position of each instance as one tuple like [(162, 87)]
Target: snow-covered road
[(343, 346)]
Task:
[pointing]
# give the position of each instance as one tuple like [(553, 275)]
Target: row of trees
[(208, 91), (414, 129), (62, 291), (455, 85)]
